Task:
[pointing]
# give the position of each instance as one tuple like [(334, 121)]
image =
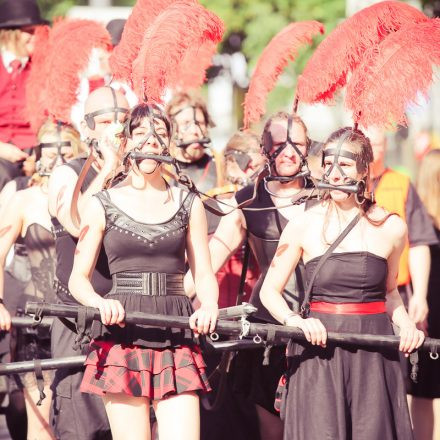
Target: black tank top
[(65, 244), (202, 172), (132, 246), (264, 229), (138, 248), (349, 277)]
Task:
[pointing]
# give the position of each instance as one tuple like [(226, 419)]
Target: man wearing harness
[(191, 121), (285, 144), (75, 415)]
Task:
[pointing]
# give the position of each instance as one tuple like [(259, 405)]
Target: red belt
[(349, 308)]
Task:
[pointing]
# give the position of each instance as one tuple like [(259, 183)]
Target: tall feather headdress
[(394, 74), (342, 51), (60, 55), (142, 16), (168, 43), (71, 43), (281, 49)]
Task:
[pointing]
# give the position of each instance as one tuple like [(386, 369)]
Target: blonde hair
[(428, 184), (10, 39), (67, 133)]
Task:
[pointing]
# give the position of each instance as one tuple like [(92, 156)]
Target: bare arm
[(86, 254), (410, 337), (6, 195), (10, 228), (226, 240), (61, 187), (285, 260), (206, 287), (419, 268)]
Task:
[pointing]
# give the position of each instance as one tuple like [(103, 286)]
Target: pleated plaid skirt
[(143, 372)]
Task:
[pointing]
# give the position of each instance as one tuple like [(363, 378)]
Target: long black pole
[(232, 328)]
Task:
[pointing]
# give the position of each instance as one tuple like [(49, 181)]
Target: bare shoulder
[(394, 226), (64, 174)]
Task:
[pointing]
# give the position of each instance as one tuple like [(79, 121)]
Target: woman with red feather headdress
[(135, 367), (352, 282), (284, 143)]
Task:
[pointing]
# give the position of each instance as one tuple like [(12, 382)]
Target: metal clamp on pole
[(233, 312)]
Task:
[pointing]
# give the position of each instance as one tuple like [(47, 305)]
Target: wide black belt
[(148, 283)]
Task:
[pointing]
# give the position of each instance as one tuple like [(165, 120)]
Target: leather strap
[(74, 213), (305, 307)]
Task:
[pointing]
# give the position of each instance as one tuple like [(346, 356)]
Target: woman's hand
[(410, 338), (203, 320), (5, 319), (312, 328), (111, 311)]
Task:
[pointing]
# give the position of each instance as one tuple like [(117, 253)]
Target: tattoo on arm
[(5, 230), (60, 203), (280, 251), (82, 234)]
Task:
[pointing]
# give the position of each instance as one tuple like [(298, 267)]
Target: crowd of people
[(132, 210)]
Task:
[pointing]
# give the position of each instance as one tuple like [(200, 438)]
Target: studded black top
[(132, 246), (147, 263)]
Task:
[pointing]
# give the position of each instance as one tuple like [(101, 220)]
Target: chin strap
[(59, 144), (204, 140), (267, 146), (350, 186)]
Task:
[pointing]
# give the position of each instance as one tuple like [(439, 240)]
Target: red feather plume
[(342, 51), (192, 72), (181, 28), (393, 73), (282, 48), (142, 16), (36, 83), (71, 44)]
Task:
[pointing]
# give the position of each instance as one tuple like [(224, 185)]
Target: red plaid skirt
[(146, 372)]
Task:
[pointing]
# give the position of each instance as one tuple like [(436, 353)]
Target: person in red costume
[(18, 19)]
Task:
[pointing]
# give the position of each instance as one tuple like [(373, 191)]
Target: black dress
[(147, 264), (346, 393), (253, 379), (428, 377)]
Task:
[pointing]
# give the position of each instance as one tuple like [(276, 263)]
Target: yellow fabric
[(391, 193)]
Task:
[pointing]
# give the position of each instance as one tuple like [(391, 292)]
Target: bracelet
[(289, 315)]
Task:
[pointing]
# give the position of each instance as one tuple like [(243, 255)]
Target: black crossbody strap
[(305, 307)]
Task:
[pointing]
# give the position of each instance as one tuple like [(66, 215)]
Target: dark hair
[(182, 99), (141, 111), (363, 151), (363, 157)]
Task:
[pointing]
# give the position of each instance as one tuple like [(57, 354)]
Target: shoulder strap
[(305, 307)]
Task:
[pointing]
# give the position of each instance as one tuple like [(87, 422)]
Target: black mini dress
[(147, 264), (346, 392)]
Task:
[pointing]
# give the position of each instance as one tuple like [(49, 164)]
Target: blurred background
[(250, 25)]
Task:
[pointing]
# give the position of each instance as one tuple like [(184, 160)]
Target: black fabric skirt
[(144, 335), (256, 382), (345, 393)]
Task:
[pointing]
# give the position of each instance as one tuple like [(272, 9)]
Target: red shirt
[(14, 128)]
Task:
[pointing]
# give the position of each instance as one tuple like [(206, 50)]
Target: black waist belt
[(148, 283)]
